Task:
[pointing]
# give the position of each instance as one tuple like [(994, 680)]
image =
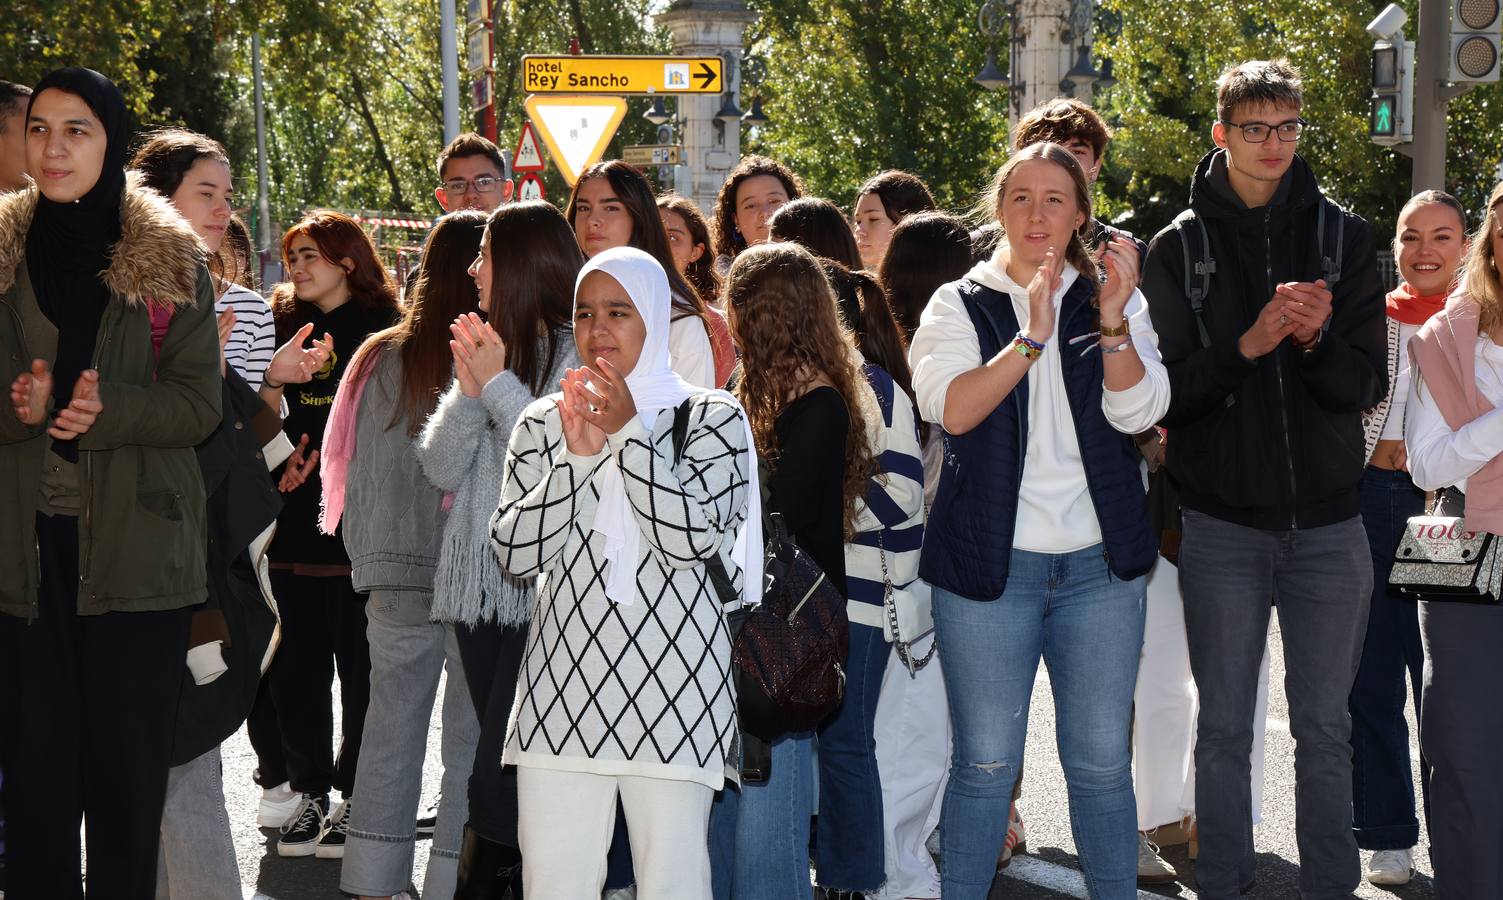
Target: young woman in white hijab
[(625, 687)]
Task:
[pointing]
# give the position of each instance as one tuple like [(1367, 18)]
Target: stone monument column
[(712, 148)]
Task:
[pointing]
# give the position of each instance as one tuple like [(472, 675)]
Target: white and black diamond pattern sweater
[(625, 689)]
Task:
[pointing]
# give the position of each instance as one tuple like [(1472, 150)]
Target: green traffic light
[(1382, 124)]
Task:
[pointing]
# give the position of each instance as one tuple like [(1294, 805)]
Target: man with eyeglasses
[(1269, 313), (471, 175)]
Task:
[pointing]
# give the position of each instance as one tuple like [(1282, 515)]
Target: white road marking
[(1053, 877), (1277, 724)]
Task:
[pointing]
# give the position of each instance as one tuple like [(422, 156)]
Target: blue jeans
[(1382, 781), (765, 827), (1321, 581), (1087, 625)]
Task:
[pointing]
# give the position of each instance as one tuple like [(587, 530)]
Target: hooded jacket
[(1273, 443), (141, 532)]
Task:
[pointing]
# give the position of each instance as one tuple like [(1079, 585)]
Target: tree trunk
[(378, 146)]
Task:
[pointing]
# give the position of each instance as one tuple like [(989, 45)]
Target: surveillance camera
[(1389, 23)]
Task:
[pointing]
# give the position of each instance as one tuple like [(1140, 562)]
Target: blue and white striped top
[(253, 340), (892, 510)]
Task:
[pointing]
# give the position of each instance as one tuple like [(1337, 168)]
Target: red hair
[(338, 237)]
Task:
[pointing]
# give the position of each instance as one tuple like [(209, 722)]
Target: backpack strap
[(1199, 266), (1330, 263), (720, 579)]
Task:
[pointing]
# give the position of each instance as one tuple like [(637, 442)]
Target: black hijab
[(69, 244)]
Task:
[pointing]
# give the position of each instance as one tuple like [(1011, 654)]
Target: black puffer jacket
[(1287, 451)]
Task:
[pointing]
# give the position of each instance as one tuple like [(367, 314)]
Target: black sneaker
[(331, 845), (301, 833), (427, 821)]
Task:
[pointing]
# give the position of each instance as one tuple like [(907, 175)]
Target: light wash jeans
[(197, 856), (407, 654), (1087, 625)]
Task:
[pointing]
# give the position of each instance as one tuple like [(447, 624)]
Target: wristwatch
[(1118, 331)]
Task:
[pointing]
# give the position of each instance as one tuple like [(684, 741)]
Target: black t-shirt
[(809, 477), (298, 539)]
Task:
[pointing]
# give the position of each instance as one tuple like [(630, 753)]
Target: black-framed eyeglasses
[(1257, 132), (484, 184)]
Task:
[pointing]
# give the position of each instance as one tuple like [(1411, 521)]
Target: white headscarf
[(655, 387)]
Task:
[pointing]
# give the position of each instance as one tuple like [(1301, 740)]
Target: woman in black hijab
[(108, 343)]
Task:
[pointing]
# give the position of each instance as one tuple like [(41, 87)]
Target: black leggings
[(492, 659), (323, 624), (87, 710)]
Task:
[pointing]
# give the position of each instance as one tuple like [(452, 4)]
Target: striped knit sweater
[(892, 511)]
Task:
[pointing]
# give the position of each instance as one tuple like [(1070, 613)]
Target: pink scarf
[(339, 437), (1445, 350)]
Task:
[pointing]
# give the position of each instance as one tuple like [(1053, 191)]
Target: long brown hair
[(728, 239), (819, 225), (442, 292), (901, 194), (926, 251), (534, 262), (1077, 253), (647, 231), (782, 313), (862, 305), (1479, 278), (338, 237), (700, 273)]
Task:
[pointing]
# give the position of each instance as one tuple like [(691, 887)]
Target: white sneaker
[(1391, 867), (1153, 868), (277, 805), (626, 893)]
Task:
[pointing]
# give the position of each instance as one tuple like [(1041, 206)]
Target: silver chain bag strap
[(903, 647)]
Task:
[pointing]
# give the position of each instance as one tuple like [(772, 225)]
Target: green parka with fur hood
[(141, 532)]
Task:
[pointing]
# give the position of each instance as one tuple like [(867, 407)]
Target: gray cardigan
[(462, 450), (393, 515)]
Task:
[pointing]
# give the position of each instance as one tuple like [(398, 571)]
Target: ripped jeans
[(1087, 625)]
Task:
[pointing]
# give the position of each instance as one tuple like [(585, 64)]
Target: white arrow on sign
[(576, 129)]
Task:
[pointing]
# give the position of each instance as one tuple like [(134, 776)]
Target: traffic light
[(1391, 119), (1476, 31)]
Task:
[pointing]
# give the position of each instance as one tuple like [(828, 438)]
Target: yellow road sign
[(644, 155), (623, 74), (576, 129)]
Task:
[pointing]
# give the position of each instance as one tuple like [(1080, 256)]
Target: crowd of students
[(563, 461)]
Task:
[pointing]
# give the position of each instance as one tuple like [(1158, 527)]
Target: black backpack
[(1195, 244)]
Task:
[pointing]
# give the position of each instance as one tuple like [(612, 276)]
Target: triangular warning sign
[(576, 129), (529, 155)]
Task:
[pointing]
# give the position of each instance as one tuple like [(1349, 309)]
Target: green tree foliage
[(1164, 105), (855, 86)]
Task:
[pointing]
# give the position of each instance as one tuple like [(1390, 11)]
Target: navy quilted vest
[(968, 538)]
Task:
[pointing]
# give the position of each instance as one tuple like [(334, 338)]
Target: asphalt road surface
[(1050, 870)]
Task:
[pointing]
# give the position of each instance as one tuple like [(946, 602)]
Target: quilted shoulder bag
[(1439, 560), (788, 652)]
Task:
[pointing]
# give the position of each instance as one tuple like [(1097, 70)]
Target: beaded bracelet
[(1027, 347), (1119, 348)]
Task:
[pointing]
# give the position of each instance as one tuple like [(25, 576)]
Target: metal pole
[(263, 193), (448, 50), (1431, 95)]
